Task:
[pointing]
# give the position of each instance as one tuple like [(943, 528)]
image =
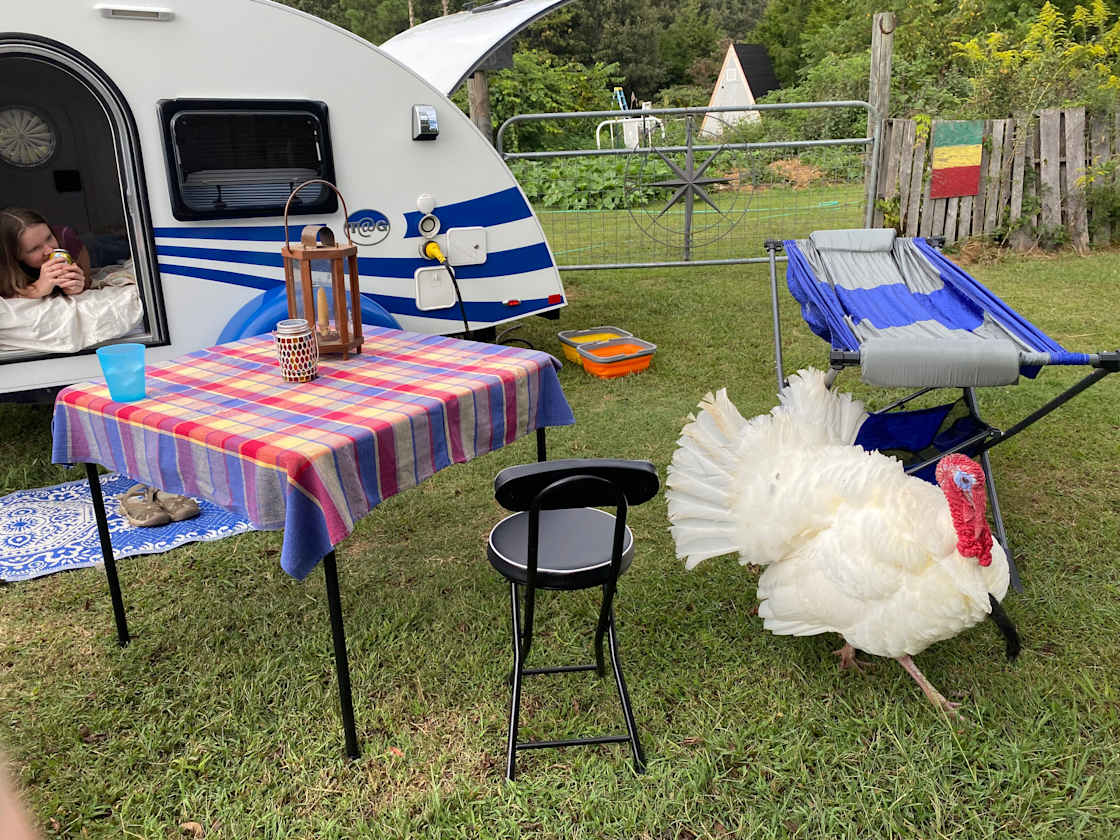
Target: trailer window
[(238, 159)]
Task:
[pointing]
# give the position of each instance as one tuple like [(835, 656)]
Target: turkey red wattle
[(962, 481)]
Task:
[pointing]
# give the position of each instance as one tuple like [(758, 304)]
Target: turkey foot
[(935, 696), (848, 659)]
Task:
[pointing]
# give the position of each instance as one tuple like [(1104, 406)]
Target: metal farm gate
[(687, 186)]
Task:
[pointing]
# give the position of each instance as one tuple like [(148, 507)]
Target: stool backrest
[(515, 488)]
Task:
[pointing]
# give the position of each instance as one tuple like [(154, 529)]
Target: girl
[(26, 267)]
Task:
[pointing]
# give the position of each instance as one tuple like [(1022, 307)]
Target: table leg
[(341, 663), (107, 553), (541, 454)]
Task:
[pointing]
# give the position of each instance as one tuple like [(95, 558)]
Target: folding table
[(309, 458)]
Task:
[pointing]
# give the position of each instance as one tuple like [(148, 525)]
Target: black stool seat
[(575, 548)]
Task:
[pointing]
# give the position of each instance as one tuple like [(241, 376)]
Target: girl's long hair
[(13, 222)]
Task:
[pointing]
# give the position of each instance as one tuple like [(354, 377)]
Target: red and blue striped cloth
[(312, 458)]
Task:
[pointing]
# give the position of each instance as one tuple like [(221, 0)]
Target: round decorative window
[(27, 138)]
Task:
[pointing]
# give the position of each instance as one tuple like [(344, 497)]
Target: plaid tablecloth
[(312, 458)]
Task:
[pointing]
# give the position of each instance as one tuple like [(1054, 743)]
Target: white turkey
[(849, 543)]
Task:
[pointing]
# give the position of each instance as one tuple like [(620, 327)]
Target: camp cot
[(908, 317)]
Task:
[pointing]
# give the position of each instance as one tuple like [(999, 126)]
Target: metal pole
[(1059, 400), (772, 246), (993, 497), (654, 112), (107, 553), (341, 663), (688, 197)]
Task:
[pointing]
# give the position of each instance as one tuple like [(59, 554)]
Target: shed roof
[(757, 68)]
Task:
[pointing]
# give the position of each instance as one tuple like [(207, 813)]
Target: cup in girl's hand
[(123, 366)]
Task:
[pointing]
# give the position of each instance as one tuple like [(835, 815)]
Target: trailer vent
[(133, 12)]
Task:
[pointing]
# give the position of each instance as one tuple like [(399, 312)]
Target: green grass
[(223, 710)]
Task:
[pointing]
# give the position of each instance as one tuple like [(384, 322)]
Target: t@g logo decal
[(368, 227)]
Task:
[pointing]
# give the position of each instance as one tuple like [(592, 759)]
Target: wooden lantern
[(343, 333)]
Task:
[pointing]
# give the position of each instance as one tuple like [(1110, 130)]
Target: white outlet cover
[(433, 288), (466, 246)]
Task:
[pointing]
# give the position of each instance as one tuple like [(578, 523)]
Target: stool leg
[(631, 726), (604, 623), (515, 694)]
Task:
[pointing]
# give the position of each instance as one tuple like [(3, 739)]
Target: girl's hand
[(64, 275), (39, 289)]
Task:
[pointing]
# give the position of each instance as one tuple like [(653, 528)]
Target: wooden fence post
[(478, 102), (1020, 239), (1049, 166), (979, 201), (1075, 169), (1098, 143), (991, 176), (917, 178), (879, 96)]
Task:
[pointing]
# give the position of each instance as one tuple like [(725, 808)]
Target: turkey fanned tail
[(706, 480)]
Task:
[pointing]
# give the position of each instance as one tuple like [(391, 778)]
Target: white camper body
[(160, 86)]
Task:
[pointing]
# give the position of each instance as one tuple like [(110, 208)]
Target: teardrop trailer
[(176, 134)]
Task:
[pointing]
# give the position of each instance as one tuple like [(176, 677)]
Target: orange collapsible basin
[(616, 356), (571, 340)]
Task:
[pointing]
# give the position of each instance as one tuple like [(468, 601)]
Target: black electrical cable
[(431, 250), (459, 296)]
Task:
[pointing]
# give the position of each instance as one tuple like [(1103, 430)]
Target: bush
[(597, 183), (1102, 195)]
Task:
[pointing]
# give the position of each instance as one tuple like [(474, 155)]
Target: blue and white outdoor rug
[(53, 528)]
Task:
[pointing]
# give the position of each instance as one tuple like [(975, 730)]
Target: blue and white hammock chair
[(908, 317)]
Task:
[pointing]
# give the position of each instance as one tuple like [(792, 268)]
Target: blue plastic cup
[(123, 366)]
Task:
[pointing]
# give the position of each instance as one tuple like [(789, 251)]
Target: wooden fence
[(1028, 179)]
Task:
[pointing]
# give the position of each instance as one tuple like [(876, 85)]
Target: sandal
[(139, 507), (177, 507)]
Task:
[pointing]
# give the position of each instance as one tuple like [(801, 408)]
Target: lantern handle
[(346, 213)]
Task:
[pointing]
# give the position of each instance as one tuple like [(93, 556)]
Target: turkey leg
[(932, 693), (848, 659)]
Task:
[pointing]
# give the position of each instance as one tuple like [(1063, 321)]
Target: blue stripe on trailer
[(228, 255), (231, 277), (498, 263), (484, 311), (494, 209), (479, 311), (269, 233)]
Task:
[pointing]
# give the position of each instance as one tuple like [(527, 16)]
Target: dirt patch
[(795, 172)]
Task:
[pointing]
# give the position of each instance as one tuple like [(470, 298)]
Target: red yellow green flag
[(956, 158)]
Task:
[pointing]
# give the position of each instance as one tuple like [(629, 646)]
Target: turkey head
[(962, 481)]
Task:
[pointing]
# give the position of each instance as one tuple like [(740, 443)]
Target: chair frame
[(577, 487)]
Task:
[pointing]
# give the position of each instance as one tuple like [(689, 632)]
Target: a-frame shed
[(746, 75)]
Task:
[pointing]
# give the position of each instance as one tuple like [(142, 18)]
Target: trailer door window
[(244, 158), (69, 154)]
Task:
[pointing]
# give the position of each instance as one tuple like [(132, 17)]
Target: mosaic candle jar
[(296, 350)]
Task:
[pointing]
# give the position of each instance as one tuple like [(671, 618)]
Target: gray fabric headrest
[(914, 363), (854, 239)]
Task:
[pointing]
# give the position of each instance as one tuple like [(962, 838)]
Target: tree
[(692, 35), (1059, 61), (539, 82)]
